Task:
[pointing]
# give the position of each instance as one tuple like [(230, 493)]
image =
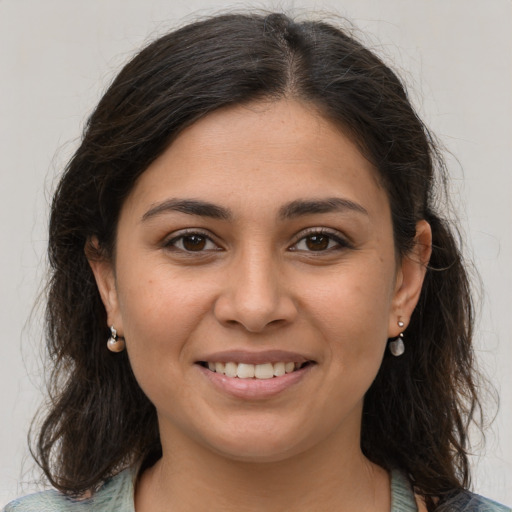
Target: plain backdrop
[(56, 58)]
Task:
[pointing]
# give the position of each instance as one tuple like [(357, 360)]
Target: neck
[(317, 479)]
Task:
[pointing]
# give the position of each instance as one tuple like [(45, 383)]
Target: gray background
[(57, 56)]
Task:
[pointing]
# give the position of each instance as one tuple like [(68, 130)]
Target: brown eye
[(194, 242), (317, 242), (320, 241)]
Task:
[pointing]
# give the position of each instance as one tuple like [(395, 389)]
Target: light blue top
[(116, 495)]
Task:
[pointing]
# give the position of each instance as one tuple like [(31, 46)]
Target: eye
[(192, 242), (319, 241)]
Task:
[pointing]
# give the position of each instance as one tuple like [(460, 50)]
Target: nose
[(255, 295)]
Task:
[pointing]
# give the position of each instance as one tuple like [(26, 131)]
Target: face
[(256, 283)]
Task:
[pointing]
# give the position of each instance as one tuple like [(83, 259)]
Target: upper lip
[(254, 357)]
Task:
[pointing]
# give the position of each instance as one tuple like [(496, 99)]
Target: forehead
[(270, 152)]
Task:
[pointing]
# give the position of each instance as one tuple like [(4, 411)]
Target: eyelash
[(173, 242), (340, 242), (332, 236)]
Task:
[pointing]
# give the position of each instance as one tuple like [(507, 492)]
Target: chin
[(260, 444)]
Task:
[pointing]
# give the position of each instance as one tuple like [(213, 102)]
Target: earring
[(115, 343), (397, 347)]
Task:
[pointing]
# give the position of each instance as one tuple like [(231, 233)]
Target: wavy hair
[(417, 411)]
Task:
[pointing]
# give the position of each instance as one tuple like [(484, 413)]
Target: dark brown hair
[(417, 411)]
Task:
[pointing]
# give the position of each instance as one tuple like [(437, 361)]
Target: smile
[(254, 371)]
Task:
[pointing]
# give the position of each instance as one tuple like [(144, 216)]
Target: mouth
[(262, 371)]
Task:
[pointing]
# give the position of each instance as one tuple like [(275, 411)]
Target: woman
[(250, 222)]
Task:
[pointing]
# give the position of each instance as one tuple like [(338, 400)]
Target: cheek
[(153, 296), (160, 319), (351, 309), (160, 312), (356, 295)]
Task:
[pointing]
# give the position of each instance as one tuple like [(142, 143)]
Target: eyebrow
[(191, 207), (307, 207), (294, 209)]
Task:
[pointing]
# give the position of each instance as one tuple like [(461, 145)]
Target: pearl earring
[(115, 343), (397, 347)]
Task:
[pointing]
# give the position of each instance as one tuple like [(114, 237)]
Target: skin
[(259, 281)]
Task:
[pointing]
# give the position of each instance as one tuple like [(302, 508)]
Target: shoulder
[(466, 501), (116, 495), (46, 501), (404, 500)]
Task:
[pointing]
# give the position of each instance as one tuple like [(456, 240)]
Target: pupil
[(317, 242), (194, 242)]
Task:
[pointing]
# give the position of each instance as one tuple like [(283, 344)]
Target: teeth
[(231, 369), (245, 371), (250, 371), (264, 371), (279, 369)]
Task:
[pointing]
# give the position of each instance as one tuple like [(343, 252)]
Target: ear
[(409, 280), (104, 275)]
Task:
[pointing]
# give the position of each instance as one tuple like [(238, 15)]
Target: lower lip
[(254, 389)]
